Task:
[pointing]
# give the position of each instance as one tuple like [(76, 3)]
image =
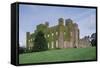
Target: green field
[(68, 54)]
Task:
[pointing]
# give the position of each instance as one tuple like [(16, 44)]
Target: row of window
[(49, 46), (49, 35), (30, 40), (52, 34), (52, 44)]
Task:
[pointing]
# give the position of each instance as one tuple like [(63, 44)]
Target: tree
[(93, 39), (21, 50), (40, 43)]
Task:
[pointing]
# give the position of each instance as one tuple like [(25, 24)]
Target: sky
[(32, 15)]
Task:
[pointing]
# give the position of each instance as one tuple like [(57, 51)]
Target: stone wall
[(84, 42), (63, 35)]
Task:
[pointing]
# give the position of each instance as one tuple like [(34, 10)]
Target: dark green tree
[(93, 39), (40, 43), (21, 50)]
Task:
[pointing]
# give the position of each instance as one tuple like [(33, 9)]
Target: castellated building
[(64, 35)]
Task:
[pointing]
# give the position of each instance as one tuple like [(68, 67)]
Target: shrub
[(21, 50)]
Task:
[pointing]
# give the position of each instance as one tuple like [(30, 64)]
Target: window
[(29, 48), (52, 44), (71, 33), (45, 36), (56, 33), (56, 43), (29, 40), (48, 35)]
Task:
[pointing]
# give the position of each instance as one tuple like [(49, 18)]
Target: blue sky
[(32, 15)]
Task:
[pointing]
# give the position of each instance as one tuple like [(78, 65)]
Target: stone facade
[(63, 35), (84, 42)]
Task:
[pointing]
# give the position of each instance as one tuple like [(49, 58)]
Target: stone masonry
[(63, 35)]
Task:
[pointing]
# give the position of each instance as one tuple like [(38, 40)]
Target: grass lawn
[(68, 54)]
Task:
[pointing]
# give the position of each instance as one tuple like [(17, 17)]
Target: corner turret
[(68, 21), (61, 21)]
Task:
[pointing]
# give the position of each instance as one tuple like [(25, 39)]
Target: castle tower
[(70, 32), (60, 33), (76, 30), (68, 21)]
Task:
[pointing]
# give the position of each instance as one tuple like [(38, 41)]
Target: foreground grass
[(69, 54)]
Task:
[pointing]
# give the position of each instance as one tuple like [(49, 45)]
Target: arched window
[(52, 44), (29, 40), (56, 33), (48, 35), (71, 33), (45, 36), (56, 43)]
